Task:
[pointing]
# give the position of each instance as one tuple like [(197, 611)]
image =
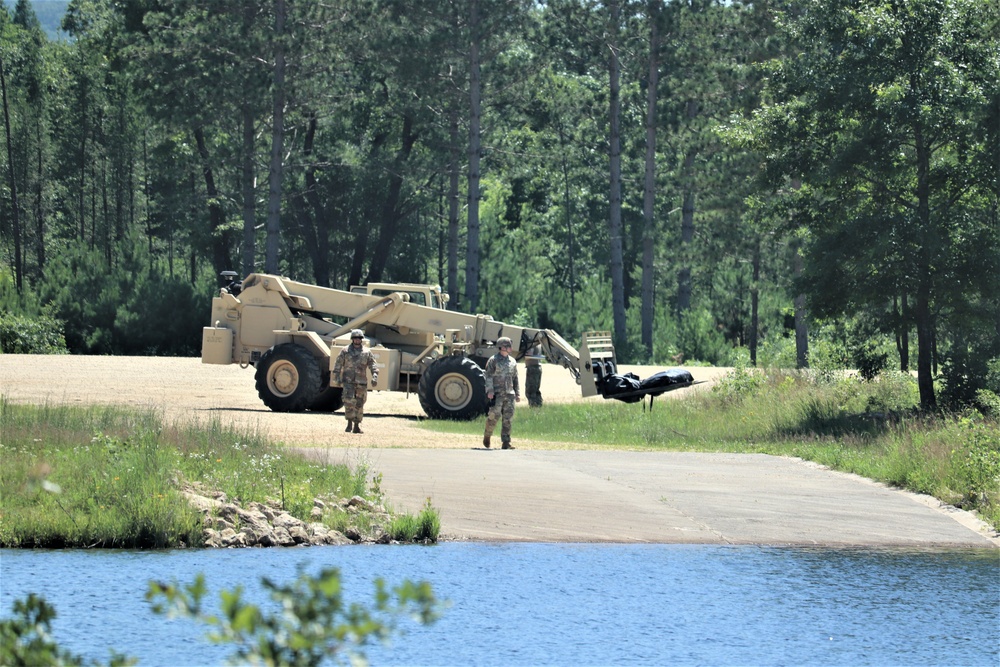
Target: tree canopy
[(711, 180)]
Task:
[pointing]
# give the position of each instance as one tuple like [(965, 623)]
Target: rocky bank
[(229, 525)]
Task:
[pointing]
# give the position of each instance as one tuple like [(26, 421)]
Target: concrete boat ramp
[(658, 497)]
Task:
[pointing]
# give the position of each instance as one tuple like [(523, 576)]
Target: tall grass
[(111, 477), (424, 527), (88, 477), (871, 429)]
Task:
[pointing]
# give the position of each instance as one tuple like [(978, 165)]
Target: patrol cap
[(504, 342), (357, 333)]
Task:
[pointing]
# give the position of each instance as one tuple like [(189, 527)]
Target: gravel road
[(538, 492)]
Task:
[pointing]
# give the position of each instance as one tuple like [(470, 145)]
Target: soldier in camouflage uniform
[(503, 390), (533, 376), (351, 368)]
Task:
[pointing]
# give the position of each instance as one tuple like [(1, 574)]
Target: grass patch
[(103, 476), (870, 428)]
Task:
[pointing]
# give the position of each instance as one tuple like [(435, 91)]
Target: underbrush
[(112, 477), (870, 428)]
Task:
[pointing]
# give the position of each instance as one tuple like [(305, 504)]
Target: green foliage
[(31, 335), (106, 476), (127, 309), (247, 467), (314, 622), (425, 527), (891, 392), (699, 336), (429, 523), (970, 365), (978, 464), (12, 301), (26, 639), (67, 485), (882, 138), (740, 384), (120, 196)]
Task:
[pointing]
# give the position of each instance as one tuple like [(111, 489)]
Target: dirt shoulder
[(539, 492)]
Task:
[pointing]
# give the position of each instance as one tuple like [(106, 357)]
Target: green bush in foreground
[(314, 622), (111, 477), (25, 639)]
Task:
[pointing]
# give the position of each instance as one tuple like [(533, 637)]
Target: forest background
[(785, 182)]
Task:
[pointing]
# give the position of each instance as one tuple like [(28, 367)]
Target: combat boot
[(349, 425), (507, 445), (486, 441), (357, 427)]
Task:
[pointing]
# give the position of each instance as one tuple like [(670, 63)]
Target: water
[(565, 604)]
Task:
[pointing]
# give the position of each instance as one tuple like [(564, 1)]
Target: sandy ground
[(540, 491), (186, 389)]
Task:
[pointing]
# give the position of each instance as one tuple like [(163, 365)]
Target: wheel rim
[(283, 378), (453, 391)]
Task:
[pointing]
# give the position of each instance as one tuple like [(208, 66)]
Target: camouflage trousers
[(533, 385), (501, 411), (355, 396)]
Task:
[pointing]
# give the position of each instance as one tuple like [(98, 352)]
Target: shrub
[(312, 622), (26, 638), (740, 383), (429, 523), (892, 391), (404, 528), (40, 334), (978, 465)]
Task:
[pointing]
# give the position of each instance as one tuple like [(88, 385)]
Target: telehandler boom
[(291, 333)]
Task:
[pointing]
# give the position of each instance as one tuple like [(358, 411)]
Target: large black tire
[(453, 387), (288, 378), (329, 399)]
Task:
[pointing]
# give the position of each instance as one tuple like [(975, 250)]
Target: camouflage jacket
[(351, 366), (501, 375)]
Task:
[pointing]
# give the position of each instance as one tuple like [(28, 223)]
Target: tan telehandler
[(291, 332)]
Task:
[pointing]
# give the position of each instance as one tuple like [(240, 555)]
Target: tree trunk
[(615, 217), (568, 209), (475, 151), (146, 196), (18, 259), (391, 212), (317, 229), (925, 324), (684, 287), (755, 304), (801, 330), (39, 199), (649, 194), (358, 260), (220, 239), (249, 192), (903, 332), (105, 213), (453, 167), (121, 156), (925, 349), (276, 172), (82, 194)]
